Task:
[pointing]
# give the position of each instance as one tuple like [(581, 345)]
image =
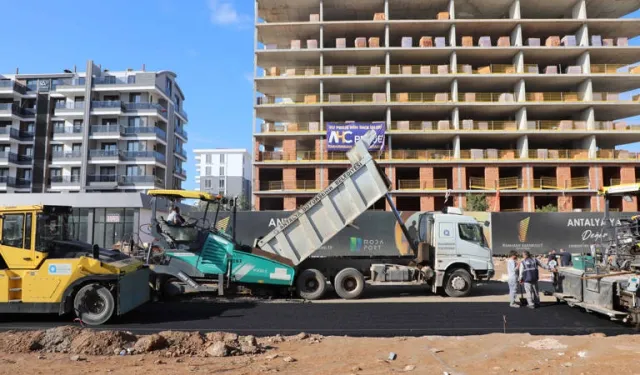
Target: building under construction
[(525, 102)]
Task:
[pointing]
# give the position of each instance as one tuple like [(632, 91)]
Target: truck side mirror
[(487, 223), (96, 251)]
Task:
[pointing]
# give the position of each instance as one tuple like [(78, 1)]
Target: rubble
[(546, 344)]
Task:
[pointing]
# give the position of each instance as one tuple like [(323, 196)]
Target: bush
[(548, 208), (477, 203)]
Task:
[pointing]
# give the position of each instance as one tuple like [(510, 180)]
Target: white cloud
[(223, 12)]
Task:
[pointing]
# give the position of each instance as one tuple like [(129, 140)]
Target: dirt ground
[(491, 354)]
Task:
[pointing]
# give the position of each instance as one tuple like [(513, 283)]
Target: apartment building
[(91, 131), (224, 171), (524, 102)]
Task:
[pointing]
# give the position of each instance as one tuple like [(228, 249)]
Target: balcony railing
[(354, 70), (610, 97), (419, 69), (130, 130), (420, 97), (355, 98), (68, 130), (615, 125), (557, 125), (182, 113), (112, 80), (486, 97), (73, 179), (70, 106), (271, 185), (16, 110), (613, 69), (292, 71), (131, 155), (306, 185), (179, 171), (421, 154), (22, 183), (617, 155), (104, 153), (66, 154), (13, 85), (553, 97), (110, 104), (147, 179), (99, 129), (436, 184), (102, 178), (182, 132), (548, 154), (130, 107), (488, 69), (181, 152), (517, 183)]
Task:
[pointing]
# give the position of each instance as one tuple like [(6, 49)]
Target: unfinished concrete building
[(525, 102)]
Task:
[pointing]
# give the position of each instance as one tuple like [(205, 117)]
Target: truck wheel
[(349, 283), (311, 284), (458, 283), (94, 304)]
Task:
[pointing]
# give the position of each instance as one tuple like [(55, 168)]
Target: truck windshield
[(52, 227), (472, 233)]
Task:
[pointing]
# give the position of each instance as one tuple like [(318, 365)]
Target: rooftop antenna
[(143, 67), (75, 68)]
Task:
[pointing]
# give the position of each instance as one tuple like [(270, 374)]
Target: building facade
[(523, 102), (224, 171), (91, 131)]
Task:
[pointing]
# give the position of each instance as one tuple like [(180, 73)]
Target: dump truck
[(449, 253), (43, 270), (607, 279)]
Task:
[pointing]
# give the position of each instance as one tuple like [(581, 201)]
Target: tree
[(477, 203), (244, 203), (548, 208)]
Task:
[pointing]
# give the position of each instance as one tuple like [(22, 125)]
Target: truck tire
[(349, 283), (311, 285), (94, 304), (458, 283)]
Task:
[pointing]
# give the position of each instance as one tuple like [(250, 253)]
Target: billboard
[(539, 233), (342, 137)]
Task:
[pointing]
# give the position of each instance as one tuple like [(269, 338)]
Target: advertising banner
[(342, 137), (540, 233)]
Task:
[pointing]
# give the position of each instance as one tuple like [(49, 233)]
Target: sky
[(207, 43)]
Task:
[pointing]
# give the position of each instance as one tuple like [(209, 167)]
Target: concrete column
[(456, 147), (455, 118), (386, 9), (514, 10), (322, 125), (585, 63), (453, 60), (516, 36), (518, 62), (86, 119), (523, 147), (390, 148), (520, 92), (321, 91), (388, 116), (589, 115), (321, 11), (454, 91), (321, 37), (521, 119), (582, 36), (580, 10), (589, 143), (387, 63), (321, 147), (388, 90), (452, 9), (321, 63), (386, 35), (585, 91), (452, 36)]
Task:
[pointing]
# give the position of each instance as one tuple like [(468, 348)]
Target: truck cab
[(455, 247)]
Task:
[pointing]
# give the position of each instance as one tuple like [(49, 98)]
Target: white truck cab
[(455, 247)]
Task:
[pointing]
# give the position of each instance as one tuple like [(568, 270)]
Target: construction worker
[(565, 257), (512, 273), (529, 276)]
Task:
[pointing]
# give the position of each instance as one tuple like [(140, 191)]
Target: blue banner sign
[(342, 137)]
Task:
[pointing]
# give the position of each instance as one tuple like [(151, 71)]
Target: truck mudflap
[(133, 290)]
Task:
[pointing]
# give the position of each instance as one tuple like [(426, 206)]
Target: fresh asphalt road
[(353, 319)]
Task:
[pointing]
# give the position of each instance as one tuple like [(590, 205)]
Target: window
[(221, 185), (135, 122), (135, 146), (12, 230), (134, 170), (108, 171), (27, 232), (168, 87), (221, 170), (471, 233), (77, 125), (221, 158), (135, 97), (28, 151), (56, 149), (109, 121), (109, 146), (207, 184), (207, 171), (112, 225), (75, 174), (76, 148), (131, 79), (55, 172)]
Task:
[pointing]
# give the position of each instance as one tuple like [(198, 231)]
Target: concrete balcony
[(182, 134), (109, 156), (65, 182), (9, 110), (68, 133), (181, 112), (102, 181), (11, 158), (181, 153), (10, 87), (180, 172), (112, 107), (146, 182), (418, 185)]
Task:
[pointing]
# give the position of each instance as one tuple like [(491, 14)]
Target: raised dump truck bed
[(314, 224)]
